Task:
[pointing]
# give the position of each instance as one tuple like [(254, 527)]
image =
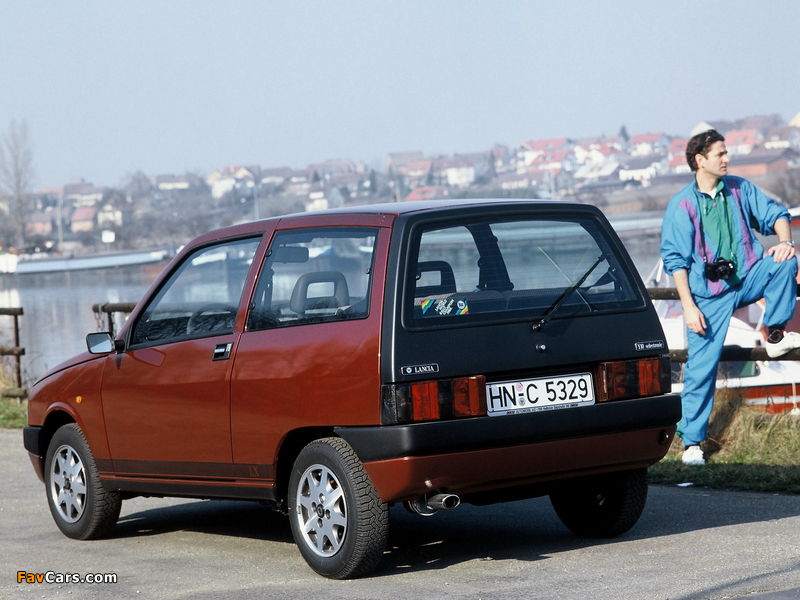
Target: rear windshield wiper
[(566, 294), (569, 281)]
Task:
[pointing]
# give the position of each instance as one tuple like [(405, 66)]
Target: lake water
[(58, 310), (58, 306)]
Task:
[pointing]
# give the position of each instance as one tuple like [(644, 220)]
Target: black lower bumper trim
[(442, 437), (30, 437)]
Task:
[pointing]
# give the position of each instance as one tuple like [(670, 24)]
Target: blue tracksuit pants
[(775, 282)]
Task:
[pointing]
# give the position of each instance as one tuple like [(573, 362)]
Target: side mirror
[(100, 343)]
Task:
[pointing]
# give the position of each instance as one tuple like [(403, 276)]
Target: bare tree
[(16, 176)]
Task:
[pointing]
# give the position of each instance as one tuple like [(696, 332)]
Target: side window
[(313, 275), (202, 296)]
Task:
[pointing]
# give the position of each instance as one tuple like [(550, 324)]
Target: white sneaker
[(693, 455), (790, 341)]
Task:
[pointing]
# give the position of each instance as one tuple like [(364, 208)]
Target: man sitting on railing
[(709, 248)]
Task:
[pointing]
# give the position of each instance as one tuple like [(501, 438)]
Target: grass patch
[(14, 407), (745, 450), (729, 476), (13, 413)]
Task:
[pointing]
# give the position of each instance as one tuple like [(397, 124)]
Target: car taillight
[(633, 378), (439, 399), (425, 401), (469, 396)]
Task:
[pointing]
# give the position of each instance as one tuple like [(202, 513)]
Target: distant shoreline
[(10, 264)]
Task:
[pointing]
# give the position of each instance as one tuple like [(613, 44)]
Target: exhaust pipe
[(443, 501), (427, 507)]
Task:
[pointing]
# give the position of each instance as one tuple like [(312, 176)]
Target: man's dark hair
[(700, 144)]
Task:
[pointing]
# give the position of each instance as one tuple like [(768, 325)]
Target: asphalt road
[(690, 543)]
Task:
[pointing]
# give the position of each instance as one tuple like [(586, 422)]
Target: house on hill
[(677, 148), (548, 145), (515, 181), (82, 193), (644, 144), (175, 182), (275, 177), (742, 141), (763, 161), (528, 152), (108, 217), (224, 180), (39, 223), (298, 183), (500, 158), (641, 169), (677, 164), (83, 219), (461, 171), (417, 173), (349, 185), (603, 171), (554, 161), (783, 136), (597, 150)]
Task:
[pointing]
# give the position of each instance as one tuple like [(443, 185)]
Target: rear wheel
[(602, 505), (80, 506), (338, 521)]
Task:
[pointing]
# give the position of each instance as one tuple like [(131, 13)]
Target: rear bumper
[(473, 455)]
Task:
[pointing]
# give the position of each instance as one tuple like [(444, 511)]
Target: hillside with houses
[(621, 174)]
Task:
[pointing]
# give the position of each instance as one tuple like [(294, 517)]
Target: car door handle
[(222, 351)]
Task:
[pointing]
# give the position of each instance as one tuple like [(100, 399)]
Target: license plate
[(542, 393)]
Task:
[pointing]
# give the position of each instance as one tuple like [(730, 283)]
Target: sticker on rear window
[(444, 307)]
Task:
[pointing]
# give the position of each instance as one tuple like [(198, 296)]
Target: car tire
[(338, 521), (81, 508), (602, 505)]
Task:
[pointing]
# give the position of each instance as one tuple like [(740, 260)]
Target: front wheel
[(601, 505), (80, 506), (338, 521)]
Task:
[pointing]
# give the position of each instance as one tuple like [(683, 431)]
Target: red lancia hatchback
[(332, 364)]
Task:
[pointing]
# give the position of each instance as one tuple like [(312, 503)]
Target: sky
[(110, 88)]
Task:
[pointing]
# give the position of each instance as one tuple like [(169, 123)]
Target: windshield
[(525, 268)]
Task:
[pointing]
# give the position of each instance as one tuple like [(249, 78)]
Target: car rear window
[(509, 268)]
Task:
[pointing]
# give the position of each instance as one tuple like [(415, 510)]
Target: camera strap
[(702, 235)]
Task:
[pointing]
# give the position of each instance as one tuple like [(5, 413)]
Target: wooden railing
[(109, 308), (663, 293), (16, 351)]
